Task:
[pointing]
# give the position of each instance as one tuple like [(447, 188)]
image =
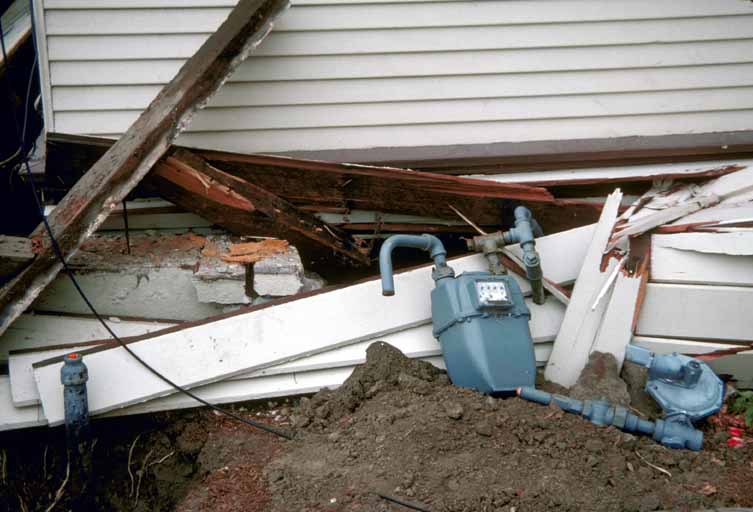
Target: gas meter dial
[(492, 293)]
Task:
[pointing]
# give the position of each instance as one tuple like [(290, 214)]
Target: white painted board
[(697, 312), (676, 266), (579, 327), (35, 331)]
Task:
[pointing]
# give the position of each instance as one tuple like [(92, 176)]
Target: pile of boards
[(669, 271)]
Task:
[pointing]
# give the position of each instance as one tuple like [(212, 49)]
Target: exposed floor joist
[(121, 168)]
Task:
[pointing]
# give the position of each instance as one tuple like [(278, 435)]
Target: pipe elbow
[(424, 242)]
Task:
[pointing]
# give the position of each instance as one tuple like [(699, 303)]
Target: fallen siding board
[(108, 181), (406, 65), (576, 335), (688, 267), (420, 342), (697, 312), (255, 340), (669, 345), (616, 328), (723, 212), (23, 388), (423, 112), (312, 92), (37, 331), (12, 417), (736, 244)]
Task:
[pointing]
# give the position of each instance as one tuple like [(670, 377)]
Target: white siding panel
[(337, 15), (345, 42), (412, 64), (308, 92), (423, 112), (360, 73), (466, 133)]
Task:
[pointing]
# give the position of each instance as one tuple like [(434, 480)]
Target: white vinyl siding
[(359, 74)]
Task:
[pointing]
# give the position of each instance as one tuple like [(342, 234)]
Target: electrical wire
[(59, 254)]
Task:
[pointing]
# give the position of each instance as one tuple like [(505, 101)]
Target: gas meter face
[(492, 293)]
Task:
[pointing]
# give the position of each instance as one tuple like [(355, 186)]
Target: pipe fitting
[(424, 242)]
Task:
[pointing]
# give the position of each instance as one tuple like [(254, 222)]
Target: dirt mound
[(397, 427), (385, 368)]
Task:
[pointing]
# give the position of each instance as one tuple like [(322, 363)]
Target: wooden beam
[(15, 253), (121, 168), (186, 163)]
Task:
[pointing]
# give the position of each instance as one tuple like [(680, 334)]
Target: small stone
[(453, 485), (483, 428), (594, 445), (300, 420), (322, 412), (334, 437), (490, 403), (454, 410)]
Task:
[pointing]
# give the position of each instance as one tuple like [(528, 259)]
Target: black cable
[(402, 503), (125, 221), (59, 254)]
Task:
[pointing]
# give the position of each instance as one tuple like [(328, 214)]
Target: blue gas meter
[(480, 318)]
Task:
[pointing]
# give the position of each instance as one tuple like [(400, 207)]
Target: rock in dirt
[(601, 380), (454, 410)]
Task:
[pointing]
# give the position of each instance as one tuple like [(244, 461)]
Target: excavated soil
[(396, 428)]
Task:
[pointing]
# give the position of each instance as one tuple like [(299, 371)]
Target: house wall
[(374, 73)]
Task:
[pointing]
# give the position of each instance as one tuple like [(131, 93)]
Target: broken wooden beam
[(250, 197), (15, 253), (124, 164)]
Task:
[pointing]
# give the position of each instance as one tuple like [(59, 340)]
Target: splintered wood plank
[(573, 343), (319, 185), (120, 169), (261, 200)]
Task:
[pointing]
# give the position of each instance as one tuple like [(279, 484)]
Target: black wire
[(402, 503), (59, 254), (125, 221)]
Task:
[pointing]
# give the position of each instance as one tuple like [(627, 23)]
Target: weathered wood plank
[(271, 205), (15, 252), (114, 175)]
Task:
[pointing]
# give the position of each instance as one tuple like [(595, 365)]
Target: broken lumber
[(576, 336), (120, 169), (675, 266), (15, 253), (255, 198)]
